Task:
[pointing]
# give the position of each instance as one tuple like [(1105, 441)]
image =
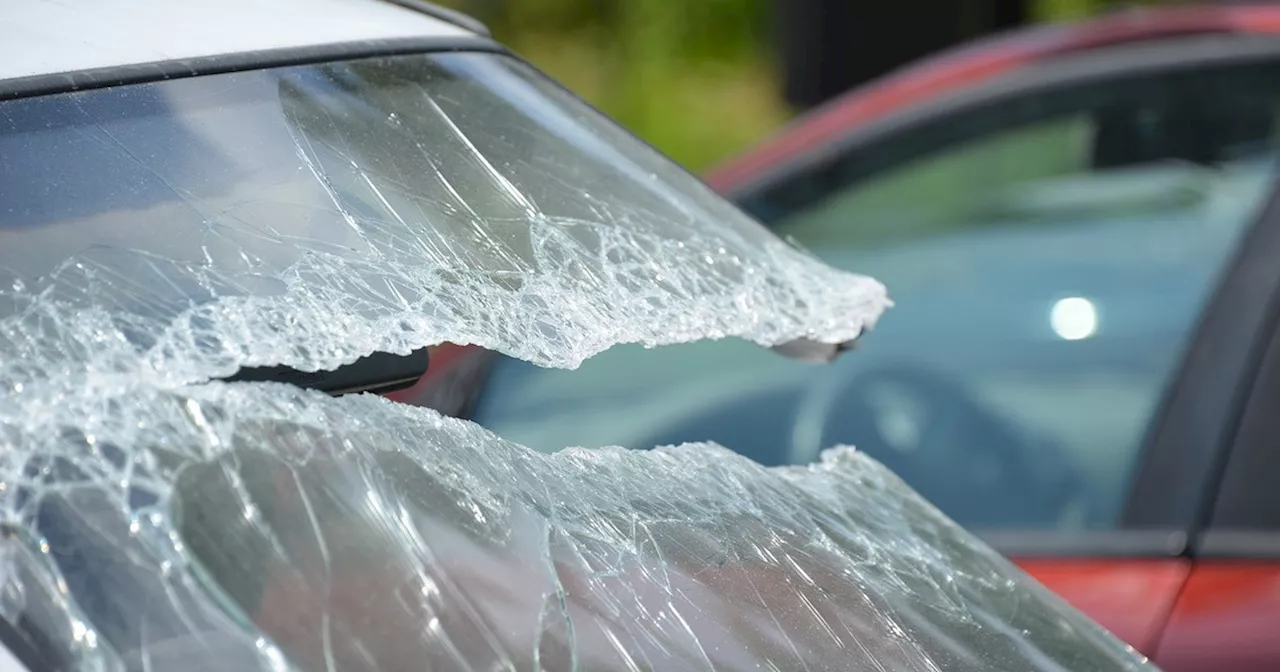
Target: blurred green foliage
[(1060, 10), (694, 77)]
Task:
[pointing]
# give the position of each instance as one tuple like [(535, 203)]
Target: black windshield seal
[(141, 73)]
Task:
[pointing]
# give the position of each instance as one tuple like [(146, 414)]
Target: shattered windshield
[(157, 238)]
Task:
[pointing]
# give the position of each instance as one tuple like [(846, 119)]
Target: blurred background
[(703, 79)]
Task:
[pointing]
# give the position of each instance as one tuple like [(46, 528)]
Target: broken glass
[(157, 238)]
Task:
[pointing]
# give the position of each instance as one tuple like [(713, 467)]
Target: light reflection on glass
[(1074, 318)]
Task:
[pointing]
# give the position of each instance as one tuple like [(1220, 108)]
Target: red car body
[(1183, 613)]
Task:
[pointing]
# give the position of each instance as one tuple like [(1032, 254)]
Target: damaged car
[(231, 234)]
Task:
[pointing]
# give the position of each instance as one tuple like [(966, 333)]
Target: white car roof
[(43, 37)]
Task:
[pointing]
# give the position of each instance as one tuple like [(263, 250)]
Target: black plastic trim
[(1091, 544), (1247, 501), (380, 372), (1177, 481), (1238, 545), (459, 19), (139, 73)]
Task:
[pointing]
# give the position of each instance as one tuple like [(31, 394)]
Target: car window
[(944, 189), (1048, 256)]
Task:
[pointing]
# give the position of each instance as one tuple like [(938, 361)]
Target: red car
[(1190, 572), (1078, 226)]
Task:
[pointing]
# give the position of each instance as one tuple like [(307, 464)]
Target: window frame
[(1156, 57), (1242, 518), (1180, 460)]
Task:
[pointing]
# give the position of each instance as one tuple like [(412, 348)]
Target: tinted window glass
[(1049, 257)]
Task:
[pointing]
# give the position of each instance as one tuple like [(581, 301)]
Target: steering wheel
[(925, 426)]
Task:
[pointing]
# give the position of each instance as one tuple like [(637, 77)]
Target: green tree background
[(696, 78)]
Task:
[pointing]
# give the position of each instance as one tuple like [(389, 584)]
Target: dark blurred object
[(829, 46)]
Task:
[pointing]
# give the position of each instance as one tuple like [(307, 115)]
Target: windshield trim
[(142, 73)]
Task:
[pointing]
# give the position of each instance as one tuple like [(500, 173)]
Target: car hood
[(156, 517)]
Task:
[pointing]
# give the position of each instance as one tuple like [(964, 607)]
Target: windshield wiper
[(379, 373)]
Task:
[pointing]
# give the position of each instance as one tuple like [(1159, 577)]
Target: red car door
[(1131, 597), (1225, 618)]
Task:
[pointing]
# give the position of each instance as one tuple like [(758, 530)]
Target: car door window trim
[(1164, 59)]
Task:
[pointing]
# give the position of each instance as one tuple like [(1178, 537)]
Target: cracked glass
[(157, 238)]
